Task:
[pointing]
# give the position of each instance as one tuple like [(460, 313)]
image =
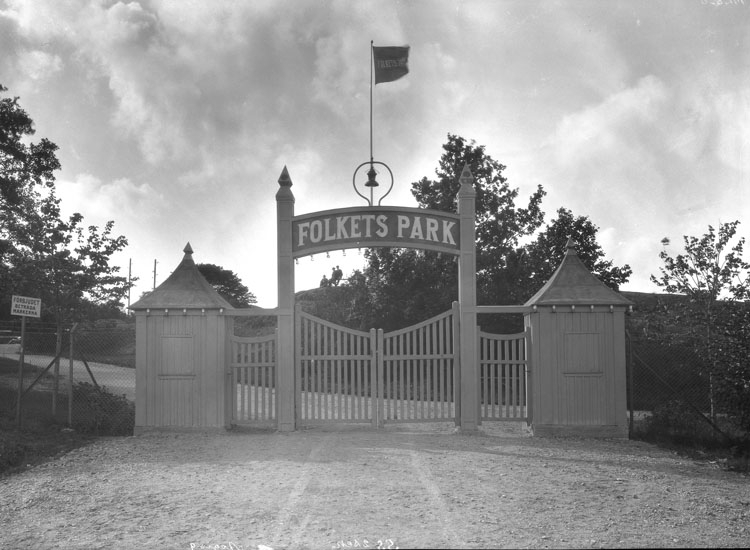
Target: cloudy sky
[(175, 118)]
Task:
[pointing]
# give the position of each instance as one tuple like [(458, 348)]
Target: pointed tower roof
[(184, 288), (574, 284)]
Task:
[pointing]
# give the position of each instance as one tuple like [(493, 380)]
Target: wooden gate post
[(467, 298), (285, 367)]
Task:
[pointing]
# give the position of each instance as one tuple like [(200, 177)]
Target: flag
[(391, 62)]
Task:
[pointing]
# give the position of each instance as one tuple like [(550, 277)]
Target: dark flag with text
[(391, 62)]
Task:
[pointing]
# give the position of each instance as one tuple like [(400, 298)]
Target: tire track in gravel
[(283, 530), (439, 508)]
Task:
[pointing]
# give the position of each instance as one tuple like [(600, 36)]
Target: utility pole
[(154, 287)]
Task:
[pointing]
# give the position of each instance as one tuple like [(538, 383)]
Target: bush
[(99, 412), (677, 422), (12, 451)]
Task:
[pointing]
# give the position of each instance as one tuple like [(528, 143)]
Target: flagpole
[(371, 157), (371, 64)]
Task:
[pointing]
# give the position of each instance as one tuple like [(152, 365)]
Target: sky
[(176, 118)]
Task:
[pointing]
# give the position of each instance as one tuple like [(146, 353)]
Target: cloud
[(182, 79), (733, 118), (615, 124), (134, 206), (650, 160), (40, 65)]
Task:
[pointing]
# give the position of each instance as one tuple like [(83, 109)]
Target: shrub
[(99, 412), (12, 452), (677, 422)]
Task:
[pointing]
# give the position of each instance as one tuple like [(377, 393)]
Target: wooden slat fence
[(253, 366), (503, 369), (418, 378), (336, 372)]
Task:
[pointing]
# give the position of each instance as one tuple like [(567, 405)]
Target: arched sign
[(374, 227)]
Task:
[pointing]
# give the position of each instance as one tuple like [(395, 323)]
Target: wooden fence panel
[(418, 370), (253, 381), (503, 370), (335, 367)]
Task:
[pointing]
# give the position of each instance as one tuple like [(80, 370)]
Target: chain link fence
[(83, 377), (676, 396)]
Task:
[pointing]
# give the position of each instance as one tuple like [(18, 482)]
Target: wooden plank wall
[(578, 368), (180, 370)]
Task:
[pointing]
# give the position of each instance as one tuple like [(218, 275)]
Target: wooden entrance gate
[(345, 375), (350, 376), (418, 371), (335, 372)]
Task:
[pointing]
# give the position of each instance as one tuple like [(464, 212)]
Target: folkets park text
[(400, 227)]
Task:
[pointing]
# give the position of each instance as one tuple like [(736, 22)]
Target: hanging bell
[(371, 181)]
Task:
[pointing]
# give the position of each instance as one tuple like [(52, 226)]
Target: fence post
[(376, 345), (70, 377), (631, 390), (56, 370), (20, 372), (285, 367), (529, 375), (456, 364), (467, 298)]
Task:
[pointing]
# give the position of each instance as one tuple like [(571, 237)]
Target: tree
[(228, 285), (407, 286), (716, 279), (22, 166), (43, 255), (529, 267), (499, 223), (707, 269)]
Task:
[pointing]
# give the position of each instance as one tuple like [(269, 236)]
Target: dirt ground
[(416, 486)]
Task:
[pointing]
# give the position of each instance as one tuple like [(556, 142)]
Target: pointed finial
[(570, 246), (466, 177), (466, 189), (188, 249), (284, 179)]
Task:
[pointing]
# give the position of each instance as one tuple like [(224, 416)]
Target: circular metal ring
[(354, 179)]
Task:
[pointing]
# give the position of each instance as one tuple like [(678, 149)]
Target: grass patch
[(43, 437), (19, 451)]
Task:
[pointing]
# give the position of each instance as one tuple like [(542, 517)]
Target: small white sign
[(25, 306)]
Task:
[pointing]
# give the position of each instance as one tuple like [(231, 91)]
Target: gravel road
[(415, 486)]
